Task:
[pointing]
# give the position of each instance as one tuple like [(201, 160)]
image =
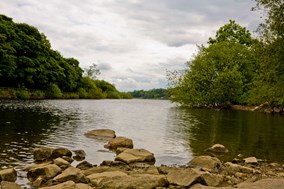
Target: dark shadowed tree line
[(27, 61), (150, 94)]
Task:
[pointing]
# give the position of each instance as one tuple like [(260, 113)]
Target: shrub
[(7, 94), (96, 94), (113, 95), (23, 93), (82, 93), (54, 91), (71, 95), (38, 94), (124, 95)]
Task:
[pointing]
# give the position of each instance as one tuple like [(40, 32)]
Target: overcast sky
[(134, 42)]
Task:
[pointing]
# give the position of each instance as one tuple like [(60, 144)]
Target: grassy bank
[(55, 93)]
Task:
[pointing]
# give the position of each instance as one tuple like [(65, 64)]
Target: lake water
[(172, 133)]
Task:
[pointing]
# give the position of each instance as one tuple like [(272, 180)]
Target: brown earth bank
[(134, 168)]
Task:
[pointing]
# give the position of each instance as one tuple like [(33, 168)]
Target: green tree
[(233, 32), (221, 73), (26, 59), (270, 81)]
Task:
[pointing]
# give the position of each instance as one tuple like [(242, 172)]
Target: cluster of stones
[(134, 168), (267, 108)]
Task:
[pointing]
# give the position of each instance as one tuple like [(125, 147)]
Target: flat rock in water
[(136, 155), (119, 142), (250, 160), (60, 152), (42, 154), (101, 133), (218, 149)]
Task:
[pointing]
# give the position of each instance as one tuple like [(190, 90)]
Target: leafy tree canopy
[(28, 61), (270, 81), (232, 32), (221, 73)]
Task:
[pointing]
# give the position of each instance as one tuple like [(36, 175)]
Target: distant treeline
[(150, 94), (30, 68)]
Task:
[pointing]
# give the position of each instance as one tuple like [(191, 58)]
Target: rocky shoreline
[(134, 168), (265, 108)]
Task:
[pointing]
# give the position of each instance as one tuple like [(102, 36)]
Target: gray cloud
[(103, 66), (181, 22), (133, 42)]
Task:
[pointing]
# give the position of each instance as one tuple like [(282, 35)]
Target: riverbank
[(58, 168), (28, 94), (265, 107)]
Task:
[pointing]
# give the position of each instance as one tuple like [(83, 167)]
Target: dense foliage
[(235, 68), (269, 85), (150, 94), (221, 73), (27, 62)]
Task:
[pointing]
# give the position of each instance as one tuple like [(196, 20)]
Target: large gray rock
[(119, 142), (45, 171), (136, 155), (101, 133), (42, 154), (72, 174), (206, 162), (8, 175), (65, 185), (139, 181), (9, 185), (97, 178), (218, 149), (185, 177)]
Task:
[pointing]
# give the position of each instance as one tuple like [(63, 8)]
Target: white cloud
[(133, 42)]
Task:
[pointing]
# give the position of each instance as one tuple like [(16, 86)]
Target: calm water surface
[(173, 134)]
